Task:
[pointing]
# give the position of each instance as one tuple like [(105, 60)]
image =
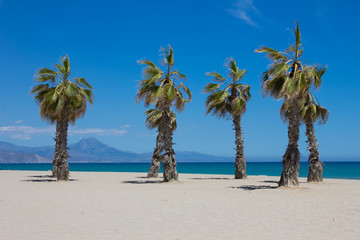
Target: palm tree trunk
[(291, 158), (56, 148), (240, 163), (61, 154), (315, 165), (170, 172), (156, 159)]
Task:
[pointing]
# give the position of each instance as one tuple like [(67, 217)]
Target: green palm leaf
[(231, 99), (163, 88), (271, 53), (170, 93), (217, 76)]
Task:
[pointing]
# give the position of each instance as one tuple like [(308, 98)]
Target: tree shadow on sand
[(254, 187), (143, 182), (270, 181), (44, 178), (212, 178), (47, 180)]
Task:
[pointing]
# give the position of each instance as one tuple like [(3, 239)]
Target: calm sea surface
[(344, 170)]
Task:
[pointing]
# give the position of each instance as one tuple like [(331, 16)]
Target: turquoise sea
[(343, 170)]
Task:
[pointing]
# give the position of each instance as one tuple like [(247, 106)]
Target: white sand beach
[(128, 206)]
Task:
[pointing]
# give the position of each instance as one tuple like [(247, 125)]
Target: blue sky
[(104, 39)]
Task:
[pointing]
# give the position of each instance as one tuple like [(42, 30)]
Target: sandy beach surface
[(129, 206)]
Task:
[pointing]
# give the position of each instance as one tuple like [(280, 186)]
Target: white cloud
[(27, 132), (98, 131), (19, 121), (22, 137), (243, 9)]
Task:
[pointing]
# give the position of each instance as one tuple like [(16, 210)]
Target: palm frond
[(272, 53), (217, 76), (187, 91), (211, 87), (274, 86), (148, 63), (170, 56), (66, 64), (178, 75), (82, 83), (318, 73), (297, 35), (170, 92)]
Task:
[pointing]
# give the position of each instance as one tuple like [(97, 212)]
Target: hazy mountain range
[(91, 150)]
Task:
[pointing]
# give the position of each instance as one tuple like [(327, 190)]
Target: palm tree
[(61, 100), (310, 112), (153, 120), (286, 79), (230, 101), (164, 88)]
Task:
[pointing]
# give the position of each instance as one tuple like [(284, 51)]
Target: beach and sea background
[(342, 170), (91, 155), (108, 195)]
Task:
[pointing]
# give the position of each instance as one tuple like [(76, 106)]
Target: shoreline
[(230, 176), (118, 205)]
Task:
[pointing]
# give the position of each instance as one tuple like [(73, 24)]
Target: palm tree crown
[(230, 100), (56, 93), (286, 75), (310, 109), (163, 87)]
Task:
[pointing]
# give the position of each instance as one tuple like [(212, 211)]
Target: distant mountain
[(10, 153), (91, 150)]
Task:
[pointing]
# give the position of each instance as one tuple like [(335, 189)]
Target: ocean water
[(342, 170)]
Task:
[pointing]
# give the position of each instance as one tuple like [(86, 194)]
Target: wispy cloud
[(244, 9), (26, 129), (19, 121), (22, 137), (98, 131), (27, 132)]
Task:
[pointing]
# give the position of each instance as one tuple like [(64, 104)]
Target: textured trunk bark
[(240, 163), (61, 154), (56, 149), (170, 172), (291, 158), (156, 159), (315, 165)]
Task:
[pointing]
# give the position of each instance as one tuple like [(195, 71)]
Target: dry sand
[(128, 206)]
